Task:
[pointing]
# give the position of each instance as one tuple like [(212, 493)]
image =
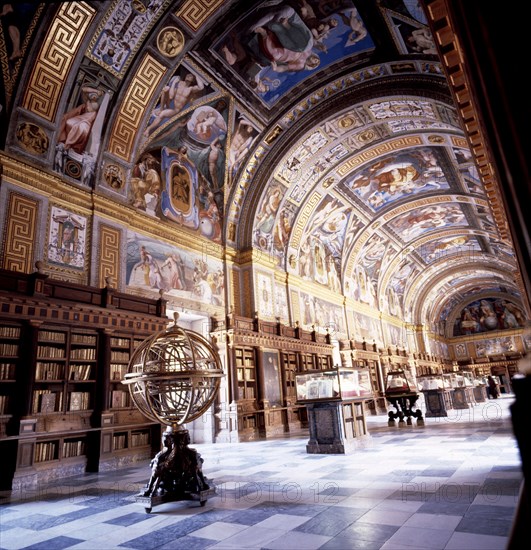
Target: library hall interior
[(265, 277)]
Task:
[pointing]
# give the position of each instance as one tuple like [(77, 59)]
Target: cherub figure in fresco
[(421, 41), (353, 20), (174, 97)]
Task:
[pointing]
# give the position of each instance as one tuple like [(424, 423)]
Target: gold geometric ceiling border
[(375, 152), (58, 50), (19, 233), (326, 93), (195, 12), (410, 248), (133, 108), (417, 293), (109, 254), (452, 59)]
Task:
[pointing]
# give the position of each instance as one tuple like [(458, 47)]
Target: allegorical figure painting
[(180, 176), (401, 175), (66, 240), (279, 44), (154, 266), (79, 134), (488, 314)]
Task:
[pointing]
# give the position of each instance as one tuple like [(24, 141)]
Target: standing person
[(493, 388), (174, 97)]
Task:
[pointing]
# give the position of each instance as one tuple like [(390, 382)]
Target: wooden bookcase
[(246, 373), (64, 349), (264, 402)]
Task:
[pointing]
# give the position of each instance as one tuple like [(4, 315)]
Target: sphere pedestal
[(173, 378), (176, 474)]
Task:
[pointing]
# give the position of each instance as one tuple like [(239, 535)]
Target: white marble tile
[(429, 539), (219, 530)]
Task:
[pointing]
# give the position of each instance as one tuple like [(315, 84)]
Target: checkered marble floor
[(451, 484)]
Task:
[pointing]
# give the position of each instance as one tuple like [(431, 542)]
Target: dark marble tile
[(490, 511), (344, 542), (485, 526), (171, 534), (128, 519), (57, 543), (370, 532), (251, 516), (438, 472), (437, 506), (188, 543), (332, 521), (292, 508), (38, 522), (494, 488)]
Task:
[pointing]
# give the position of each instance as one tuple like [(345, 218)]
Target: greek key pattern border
[(133, 108), (56, 58)]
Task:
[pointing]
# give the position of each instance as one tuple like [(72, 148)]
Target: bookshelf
[(246, 373), (63, 354)]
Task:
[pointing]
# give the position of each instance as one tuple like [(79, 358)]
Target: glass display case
[(432, 382), (459, 379), (402, 392), (437, 394), (462, 385), (339, 383), (398, 382)]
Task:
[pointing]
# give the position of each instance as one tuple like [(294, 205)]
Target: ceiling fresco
[(322, 134)]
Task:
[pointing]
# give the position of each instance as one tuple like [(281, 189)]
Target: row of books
[(8, 349), (49, 371), (50, 351), (46, 401), (4, 399), (83, 353), (86, 339), (119, 399), (118, 372), (80, 372), (52, 336), (9, 332), (120, 342), (46, 451), (119, 356), (7, 371), (119, 441), (139, 439), (79, 401), (74, 448)]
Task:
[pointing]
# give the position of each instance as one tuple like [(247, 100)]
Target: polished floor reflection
[(451, 484)]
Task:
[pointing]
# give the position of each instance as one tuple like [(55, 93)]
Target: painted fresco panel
[(277, 46), (154, 266)]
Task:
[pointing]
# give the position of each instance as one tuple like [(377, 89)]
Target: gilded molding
[(152, 227), (56, 58), (109, 253), (131, 112), (195, 12), (19, 233), (377, 151)]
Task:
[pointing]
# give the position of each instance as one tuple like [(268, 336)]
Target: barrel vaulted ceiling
[(324, 133)]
